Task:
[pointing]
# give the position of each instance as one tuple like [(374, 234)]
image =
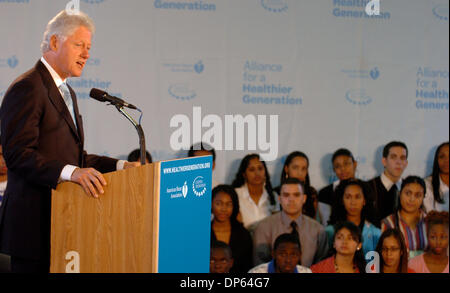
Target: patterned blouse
[(415, 239)]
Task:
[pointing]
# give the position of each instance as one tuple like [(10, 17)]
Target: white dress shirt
[(251, 212), (388, 183), (429, 202)]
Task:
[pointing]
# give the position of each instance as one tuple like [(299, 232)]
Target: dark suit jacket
[(326, 195), (241, 245), (39, 138), (384, 200)]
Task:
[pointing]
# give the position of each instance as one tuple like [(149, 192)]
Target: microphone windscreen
[(97, 94)]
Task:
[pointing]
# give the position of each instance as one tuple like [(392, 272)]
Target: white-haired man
[(42, 138)]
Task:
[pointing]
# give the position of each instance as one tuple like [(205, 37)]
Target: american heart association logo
[(184, 190)]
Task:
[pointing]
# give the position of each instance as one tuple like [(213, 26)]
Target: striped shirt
[(415, 238)]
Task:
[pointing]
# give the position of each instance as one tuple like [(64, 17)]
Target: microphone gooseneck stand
[(138, 128)]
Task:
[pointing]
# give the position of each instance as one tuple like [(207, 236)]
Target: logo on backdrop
[(373, 73), (93, 1), (275, 5), (431, 88), (441, 11), (197, 6), (351, 9), (198, 67), (10, 62), (16, 1), (261, 85), (198, 186), (358, 97), (183, 90)]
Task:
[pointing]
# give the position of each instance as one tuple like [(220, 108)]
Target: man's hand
[(90, 179), (127, 164)]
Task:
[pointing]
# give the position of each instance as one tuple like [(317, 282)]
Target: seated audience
[(226, 228), (286, 255), (435, 258), (312, 235), (437, 195), (347, 256), (409, 217), (252, 184), (353, 204)]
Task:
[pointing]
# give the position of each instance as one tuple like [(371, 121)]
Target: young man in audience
[(344, 166), (286, 255), (312, 235), (386, 186)]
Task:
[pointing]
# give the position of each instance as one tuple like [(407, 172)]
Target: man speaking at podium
[(42, 138)]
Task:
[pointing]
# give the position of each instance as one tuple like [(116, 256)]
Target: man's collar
[(388, 182), (56, 78)]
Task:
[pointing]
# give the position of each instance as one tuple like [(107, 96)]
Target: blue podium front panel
[(185, 215)]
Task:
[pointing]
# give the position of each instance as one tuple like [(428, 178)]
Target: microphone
[(103, 96)]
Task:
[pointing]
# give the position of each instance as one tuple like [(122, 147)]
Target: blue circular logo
[(93, 1), (181, 92), (358, 97), (441, 11), (199, 186), (275, 5)]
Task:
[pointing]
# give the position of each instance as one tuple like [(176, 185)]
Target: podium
[(152, 218)]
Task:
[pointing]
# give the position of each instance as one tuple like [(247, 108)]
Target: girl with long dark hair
[(437, 194), (354, 205), (393, 252), (409, 216), (252, 184)]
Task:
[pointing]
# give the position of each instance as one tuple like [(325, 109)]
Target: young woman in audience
[(437, 194), (296, 166), (353, 204), (347, 256), (226, 228), (410, 217), (393, 252), (435, 258), (252, 184)]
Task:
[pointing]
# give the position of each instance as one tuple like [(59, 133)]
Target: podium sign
[(185, 215), (153, 218)]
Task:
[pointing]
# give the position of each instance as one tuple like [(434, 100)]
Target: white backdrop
[(357, 81)]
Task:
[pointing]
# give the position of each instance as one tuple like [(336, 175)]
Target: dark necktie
[(394, 196), (294, 229)]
